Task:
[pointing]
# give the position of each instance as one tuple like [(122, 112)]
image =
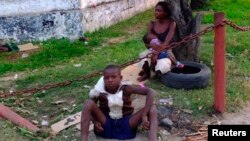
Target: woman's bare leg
[(145, 73), (90, 109), (171, 56)]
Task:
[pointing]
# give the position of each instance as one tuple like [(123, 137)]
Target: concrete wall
[(40, 19), (42, 26), (44, 19), (27, 7), (103, 14)]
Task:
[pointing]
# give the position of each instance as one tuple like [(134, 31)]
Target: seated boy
[(114, 118), (161, 62)]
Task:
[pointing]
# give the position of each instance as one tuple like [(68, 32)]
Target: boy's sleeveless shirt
[(115, 105)]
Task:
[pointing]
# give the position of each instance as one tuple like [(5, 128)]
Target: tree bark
[(198, 4), (186, 25)]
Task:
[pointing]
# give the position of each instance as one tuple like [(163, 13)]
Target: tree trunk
[(198, 4), (186, 25)]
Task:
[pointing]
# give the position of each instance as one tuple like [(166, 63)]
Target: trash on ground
[(26, 47), (16, 76), (187, 111), (59, 102), (167, 101), (86, 86), (67, 122), (44, 122), (77, 65), (25, 55)]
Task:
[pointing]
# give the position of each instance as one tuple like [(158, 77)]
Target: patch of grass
[(234, 10), (124, 28), (9, 132), (53, 52)]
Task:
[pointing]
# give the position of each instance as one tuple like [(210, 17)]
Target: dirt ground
[(241, 117)]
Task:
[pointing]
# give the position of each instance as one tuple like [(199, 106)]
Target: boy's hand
[(98, 126), (145, 123), (155, 47)]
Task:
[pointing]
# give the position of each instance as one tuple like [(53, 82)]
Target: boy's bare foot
[(179, 65), (141, 73)]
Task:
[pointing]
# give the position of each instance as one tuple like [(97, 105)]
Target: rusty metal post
[(8, 114), (219, 64)]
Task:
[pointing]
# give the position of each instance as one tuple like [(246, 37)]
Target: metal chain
[(98, 73), (67, 82), (191, 37), (239, 28)]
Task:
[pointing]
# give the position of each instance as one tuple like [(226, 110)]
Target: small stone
[(167, 121), (165, 133), (40, 101), (65, 109), (207, 123), (35, 121)]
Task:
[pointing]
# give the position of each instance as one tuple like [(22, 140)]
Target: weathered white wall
[(90, 3), (20, 7), (103, 13), (44, 19)]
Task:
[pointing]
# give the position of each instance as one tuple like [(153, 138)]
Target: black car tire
[(193, 75)]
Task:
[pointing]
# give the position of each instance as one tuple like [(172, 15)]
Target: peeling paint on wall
[(114, 11), (44, 19), (22, 7), (42, 26)]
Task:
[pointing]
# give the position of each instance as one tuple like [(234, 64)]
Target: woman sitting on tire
[(159, 35)]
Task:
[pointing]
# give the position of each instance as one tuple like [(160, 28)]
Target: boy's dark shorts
[(163, 55), (117, 129)]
